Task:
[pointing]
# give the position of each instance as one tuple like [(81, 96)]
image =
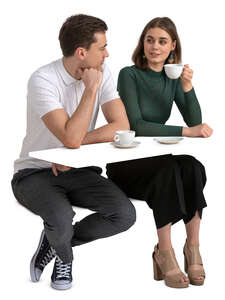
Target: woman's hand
[(186, 78), (61, 168), (202, 130)]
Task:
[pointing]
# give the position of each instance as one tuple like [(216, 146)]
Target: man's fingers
[(61, 168), (54, 169), (99, 68)]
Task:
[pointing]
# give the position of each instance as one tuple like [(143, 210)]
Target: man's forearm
[(76, 127), (104, 133)]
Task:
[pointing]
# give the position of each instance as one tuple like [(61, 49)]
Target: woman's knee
[(187, 161)]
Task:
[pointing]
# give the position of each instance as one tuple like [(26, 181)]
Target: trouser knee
[(125, 217), (190, 164)]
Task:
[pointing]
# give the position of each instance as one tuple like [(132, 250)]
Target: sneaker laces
[(62, 270), (50, 254)]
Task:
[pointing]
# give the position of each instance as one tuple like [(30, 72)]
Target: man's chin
[(99, 67)]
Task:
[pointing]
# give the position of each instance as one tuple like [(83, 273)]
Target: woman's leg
[(164, 244), (155, 180), (192, 229), (194, 179)]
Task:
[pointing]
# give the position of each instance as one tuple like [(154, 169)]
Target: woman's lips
[(154, 55)]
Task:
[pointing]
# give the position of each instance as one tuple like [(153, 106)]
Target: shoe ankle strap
[(169, 260), (192, 254)]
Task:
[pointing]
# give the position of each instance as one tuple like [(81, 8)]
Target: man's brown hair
[(78, 31)]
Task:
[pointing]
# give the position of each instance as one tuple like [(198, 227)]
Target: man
[(62, 105)]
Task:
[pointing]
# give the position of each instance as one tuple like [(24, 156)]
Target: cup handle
[(116, 138)]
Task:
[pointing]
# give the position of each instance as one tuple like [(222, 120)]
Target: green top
[(148, 98)]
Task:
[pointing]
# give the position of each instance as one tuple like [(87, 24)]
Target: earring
[(171, 57)]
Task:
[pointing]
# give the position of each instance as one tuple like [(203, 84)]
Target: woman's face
[(157, 46)]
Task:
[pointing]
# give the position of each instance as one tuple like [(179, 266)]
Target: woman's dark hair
[(166, 24), (78, 31)]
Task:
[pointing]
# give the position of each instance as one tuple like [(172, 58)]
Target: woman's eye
[(162, 42), (150, 41)]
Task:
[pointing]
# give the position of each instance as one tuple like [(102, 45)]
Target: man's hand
[(92, 78), (59, 167), (202, 130)]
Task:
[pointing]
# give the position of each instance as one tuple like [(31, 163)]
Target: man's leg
[(50, 197), (114, 211), (42, 194)]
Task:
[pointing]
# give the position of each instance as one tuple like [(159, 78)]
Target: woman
[(171, 185)]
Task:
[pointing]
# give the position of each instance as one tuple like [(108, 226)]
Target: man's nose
[(106, 54)]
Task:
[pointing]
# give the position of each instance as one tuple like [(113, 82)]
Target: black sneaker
[(43, 255), (61, 275)]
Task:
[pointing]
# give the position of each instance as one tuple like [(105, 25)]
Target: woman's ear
[(174, 43)]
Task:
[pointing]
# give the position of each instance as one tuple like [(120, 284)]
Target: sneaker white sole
[(35, 273), (61, 287)]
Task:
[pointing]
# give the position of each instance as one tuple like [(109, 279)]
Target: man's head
[(83, 36)]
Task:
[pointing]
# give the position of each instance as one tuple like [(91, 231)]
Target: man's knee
[(125, 216)]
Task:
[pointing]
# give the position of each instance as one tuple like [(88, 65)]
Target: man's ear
[(80, 53)]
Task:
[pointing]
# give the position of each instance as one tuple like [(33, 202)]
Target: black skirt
[(172, 185)]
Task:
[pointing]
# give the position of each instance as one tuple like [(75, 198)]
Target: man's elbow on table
[(69, 143)]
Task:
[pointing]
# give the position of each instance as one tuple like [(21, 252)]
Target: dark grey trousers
[(52, 197)]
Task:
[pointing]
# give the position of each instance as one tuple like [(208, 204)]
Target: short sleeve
[(107, 91), (43, 95)]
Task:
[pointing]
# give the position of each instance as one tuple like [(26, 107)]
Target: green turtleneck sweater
[(148, 97)]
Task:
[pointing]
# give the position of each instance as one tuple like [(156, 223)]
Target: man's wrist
[(91, 91)]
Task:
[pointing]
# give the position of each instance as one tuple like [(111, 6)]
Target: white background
[(119, 267)]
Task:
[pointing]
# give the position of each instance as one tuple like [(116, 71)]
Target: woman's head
[(158, 39)]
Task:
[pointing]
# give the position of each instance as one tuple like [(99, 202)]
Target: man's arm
[(71, 131), (115, 114)]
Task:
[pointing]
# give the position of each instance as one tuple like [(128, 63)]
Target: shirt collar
[(67, 78)]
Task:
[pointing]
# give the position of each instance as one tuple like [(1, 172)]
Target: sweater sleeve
[(128, 91), (188, 105)]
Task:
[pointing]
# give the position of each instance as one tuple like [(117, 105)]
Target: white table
[(102, 153)]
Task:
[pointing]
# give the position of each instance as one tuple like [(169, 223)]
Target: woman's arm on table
[(127, 87), (188, 105)]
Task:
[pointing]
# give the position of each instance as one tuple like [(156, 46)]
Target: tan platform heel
[(169, 264), (192, 257)]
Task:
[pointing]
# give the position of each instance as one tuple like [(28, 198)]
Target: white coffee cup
[(173, 71), (124, 137)]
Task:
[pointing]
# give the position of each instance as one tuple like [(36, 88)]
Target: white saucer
[(168, 140), (132, 145)]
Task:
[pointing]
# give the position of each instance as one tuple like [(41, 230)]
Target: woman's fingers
[(206, 130)]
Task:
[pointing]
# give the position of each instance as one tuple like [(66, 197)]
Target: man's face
[(97, 52)]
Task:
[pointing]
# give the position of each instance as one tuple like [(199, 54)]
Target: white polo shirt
[(51, 87)]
